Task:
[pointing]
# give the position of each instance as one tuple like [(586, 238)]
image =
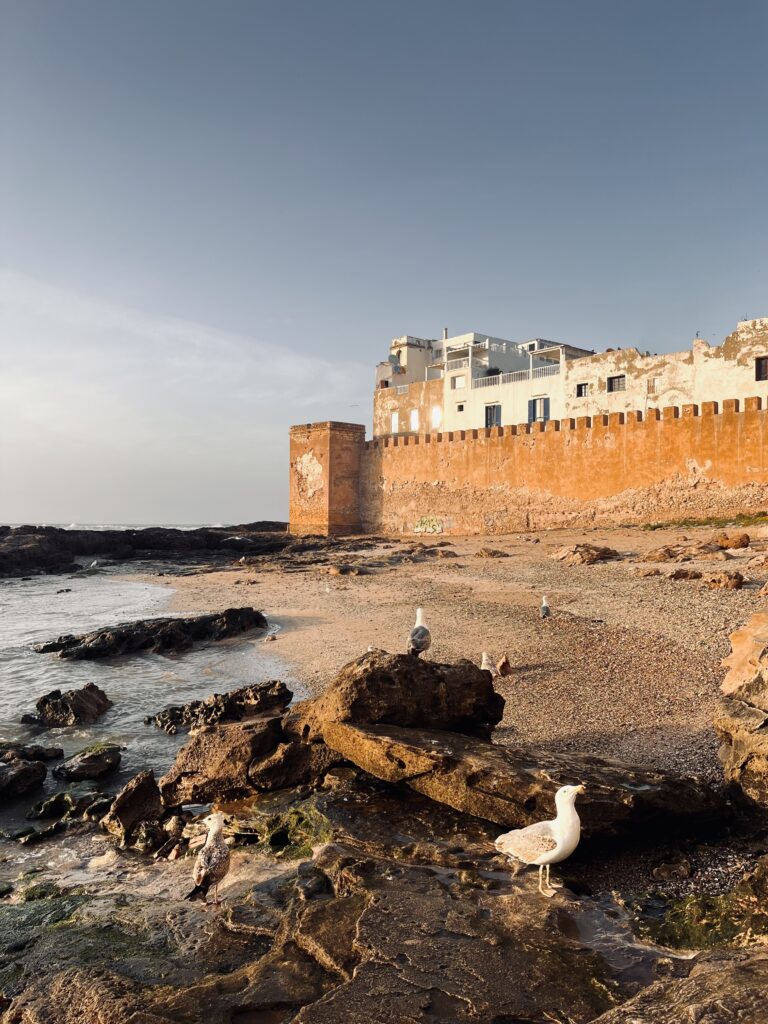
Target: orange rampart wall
[(672, 463)]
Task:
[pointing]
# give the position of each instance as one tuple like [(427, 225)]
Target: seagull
[(212, 862), (420, 638), (546, 842), (487, 665), (545, 610)]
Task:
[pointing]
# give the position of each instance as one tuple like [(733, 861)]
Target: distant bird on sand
[(212, 862), (546, 842), (420, 638), (545, 610), (487, 665)]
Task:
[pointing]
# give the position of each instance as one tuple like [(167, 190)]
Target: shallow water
[(32, 611)]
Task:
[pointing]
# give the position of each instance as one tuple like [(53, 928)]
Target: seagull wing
[(529, 843), (212, 864)]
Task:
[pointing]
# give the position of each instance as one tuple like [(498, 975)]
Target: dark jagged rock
[(35, 549), (516, 786), (223, 707), (399, 689), (91, 763), (155, 636), (18, 777), (75, 707), (29, 752)]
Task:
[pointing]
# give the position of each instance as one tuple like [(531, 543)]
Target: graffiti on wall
[(428, 524)]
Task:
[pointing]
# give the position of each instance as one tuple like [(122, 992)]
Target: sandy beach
[(628, 665)]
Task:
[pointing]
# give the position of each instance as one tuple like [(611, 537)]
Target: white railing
[(516, 376), (456, 364), (402, 389), (547, 371)]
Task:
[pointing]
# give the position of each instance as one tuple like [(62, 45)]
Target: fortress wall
[(667, 464)]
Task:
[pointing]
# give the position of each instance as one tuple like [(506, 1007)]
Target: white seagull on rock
[(420, 639), (546, 842), (212, 862)]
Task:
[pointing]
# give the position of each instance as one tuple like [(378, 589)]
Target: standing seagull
[(546, 842), (545, 610), (212, 862), (487, 665), (420, 638)]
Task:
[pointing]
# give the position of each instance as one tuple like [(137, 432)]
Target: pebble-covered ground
[(627, 666)]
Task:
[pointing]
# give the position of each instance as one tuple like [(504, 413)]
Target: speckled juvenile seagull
[(212, 862), (546, 842), (420, 638)]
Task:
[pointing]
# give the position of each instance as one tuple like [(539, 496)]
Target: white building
[(474, 380)]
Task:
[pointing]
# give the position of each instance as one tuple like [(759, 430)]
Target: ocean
[(37, 609)]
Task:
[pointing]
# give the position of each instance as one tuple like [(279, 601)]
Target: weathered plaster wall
[(325, 477), (422, 396), (668, 464)]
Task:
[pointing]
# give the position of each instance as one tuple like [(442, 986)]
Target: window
[(652, 386), (460, 407), (459, 381), (538, 410), (414, 420), (395, 422), (437, 416), (618, 383), (761, 368), (493, 415), (582, 390)]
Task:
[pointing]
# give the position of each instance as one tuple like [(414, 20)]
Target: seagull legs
[(551, 885), (216, 901), (549, 892)]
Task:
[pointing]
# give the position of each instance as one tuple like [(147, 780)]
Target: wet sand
[(627, 666)]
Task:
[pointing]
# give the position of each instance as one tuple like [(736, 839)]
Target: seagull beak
[(581, 789)]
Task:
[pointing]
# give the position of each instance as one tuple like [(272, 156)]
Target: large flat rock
[(514, 786)]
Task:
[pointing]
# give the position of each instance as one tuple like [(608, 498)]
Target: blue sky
[(215, 216)]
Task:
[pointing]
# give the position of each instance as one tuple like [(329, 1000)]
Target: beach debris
[(74, 707), (546, 842), (420, 639), (492, 553), (155, 636), (545, 611), (212, 863)]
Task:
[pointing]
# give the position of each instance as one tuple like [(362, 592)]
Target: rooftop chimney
[(445, 334)]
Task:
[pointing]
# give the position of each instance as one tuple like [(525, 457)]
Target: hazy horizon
[(216, 217)]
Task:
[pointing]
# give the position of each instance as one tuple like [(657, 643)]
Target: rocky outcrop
[(29, 752), (700, 552), (223, 707), (399, 689), (92, 763), (138, 801), (75, 707), (741, 715), (722, 988), (516, 786), (214, 764), (155, 636), (731, 540), (724, 581), (585, 554), (32, 549)]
